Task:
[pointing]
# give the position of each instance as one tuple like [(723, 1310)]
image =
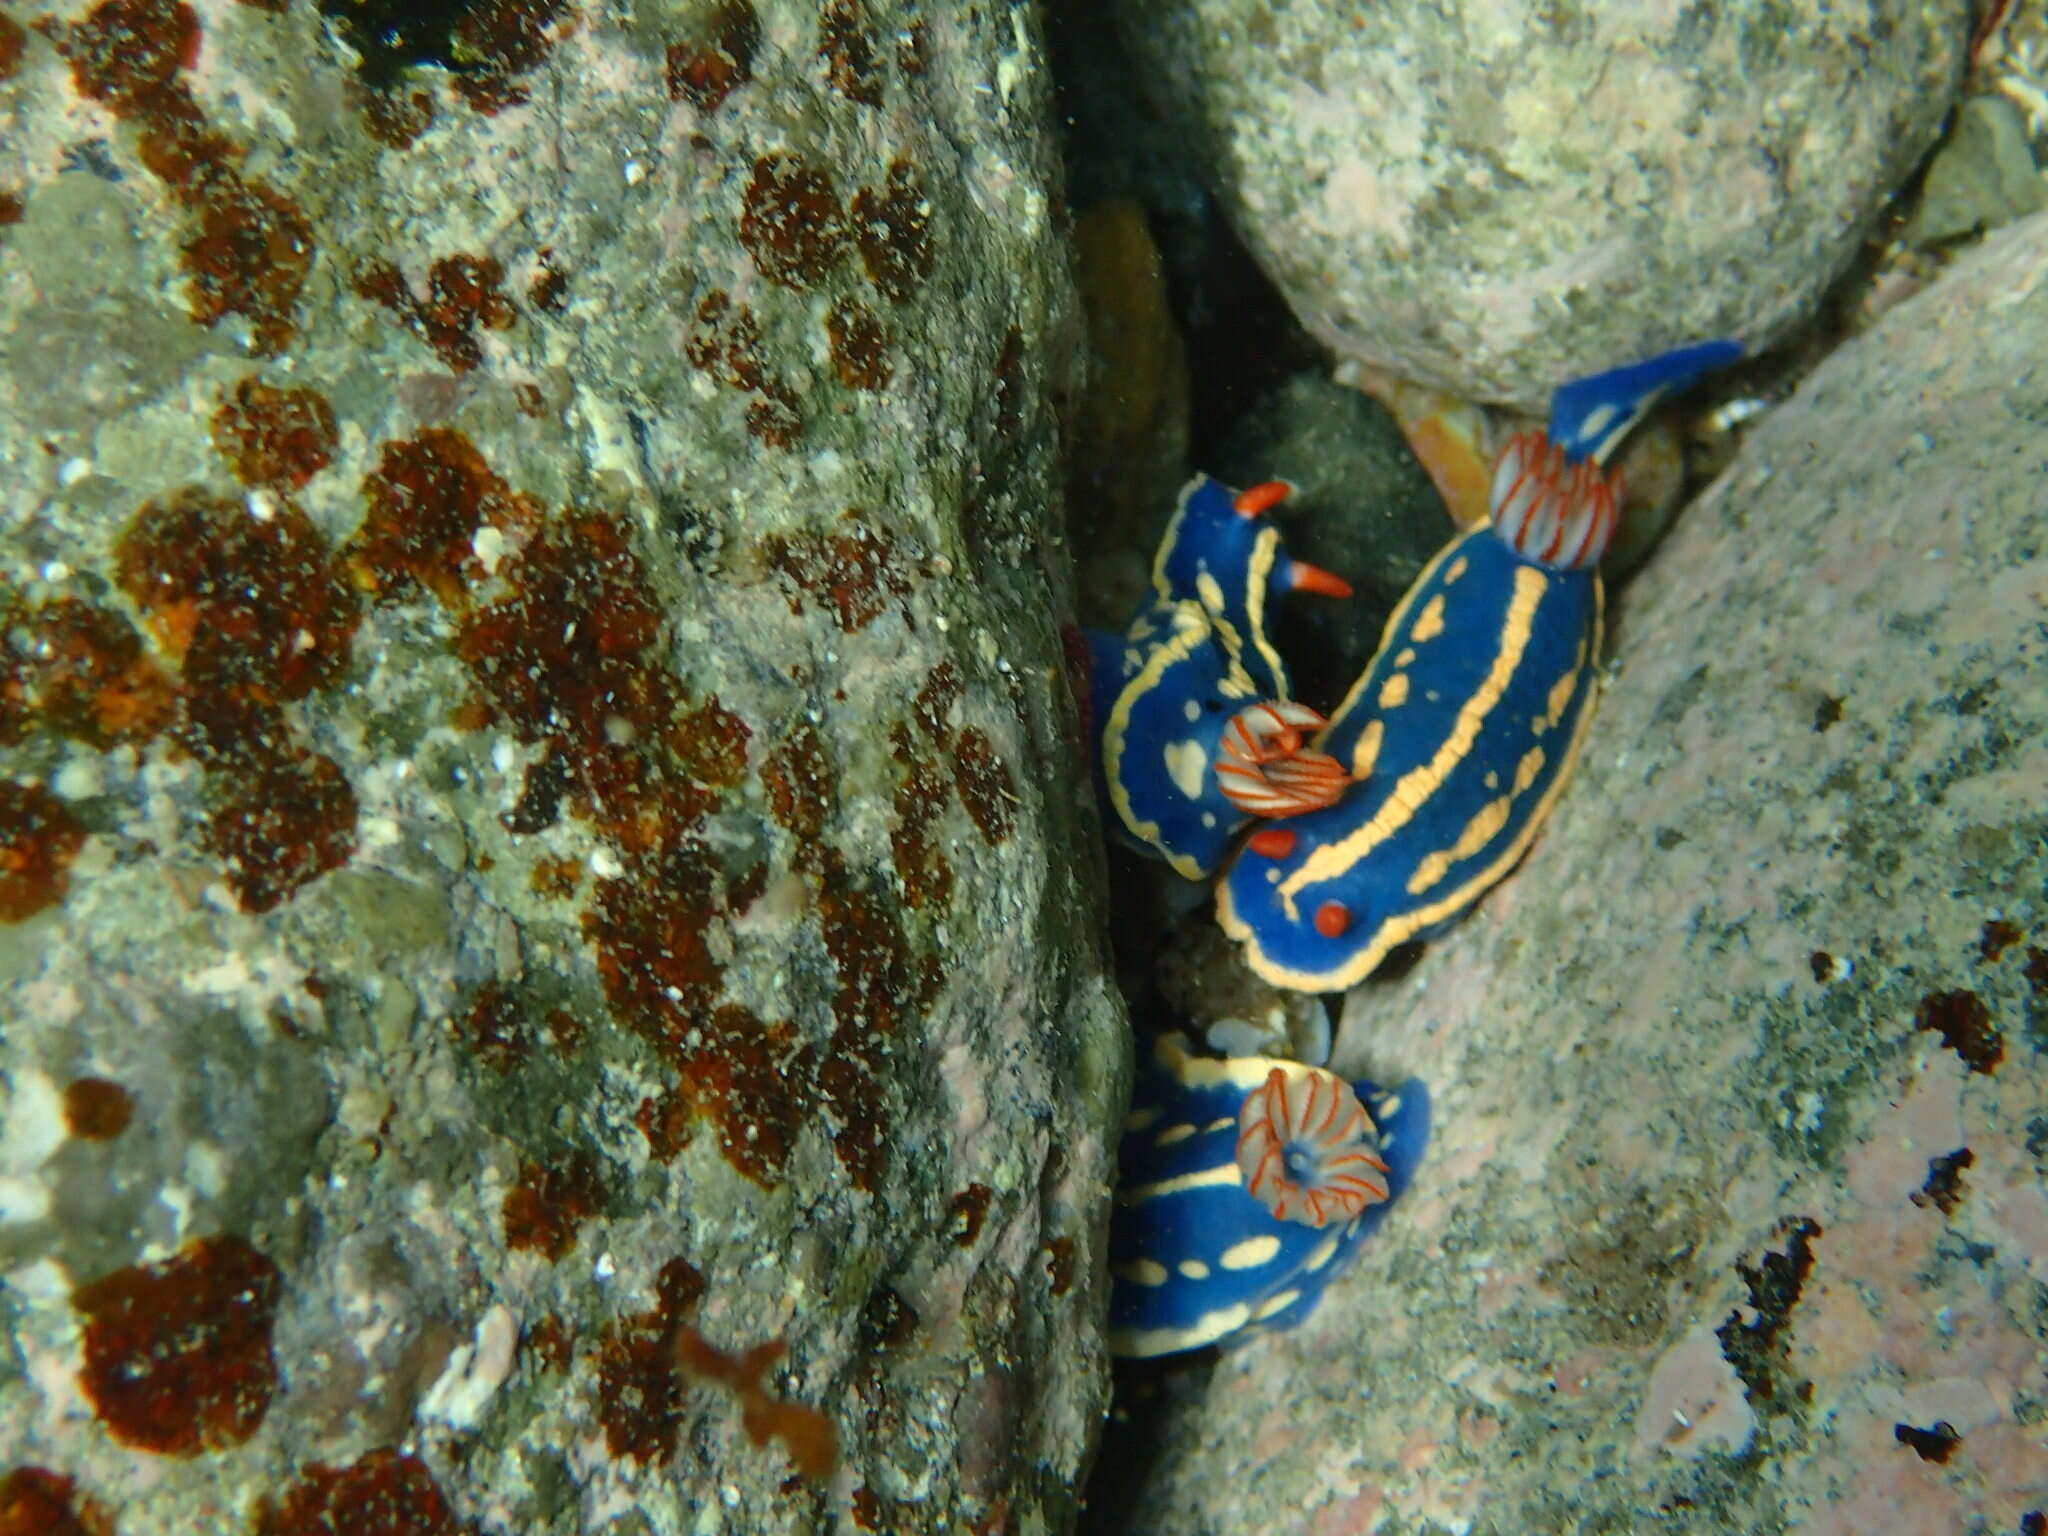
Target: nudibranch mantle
[(1461, 732), (1196, 1258), (1194, 661), (1467, 722)]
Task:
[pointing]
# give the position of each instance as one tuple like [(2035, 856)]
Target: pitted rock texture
[(1492, 199), (1734, 1216), (550, 961)]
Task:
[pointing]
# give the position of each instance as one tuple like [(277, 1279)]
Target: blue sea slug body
[(1196, 728), (1245, 1185), (1461, 732)]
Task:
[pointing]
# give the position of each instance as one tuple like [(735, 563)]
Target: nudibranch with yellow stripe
[(1463, 728), (1196, 730), (1244, 1186)]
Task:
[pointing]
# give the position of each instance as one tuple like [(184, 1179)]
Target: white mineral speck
[(23, 1200), (474, 1372), (80, 779), (31, 1121), (488, 545)]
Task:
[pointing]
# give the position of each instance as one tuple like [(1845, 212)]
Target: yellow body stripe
[(1201, 1178), (1561, 694), (1206, 1329), (1392, 628), (1264, 552), (1142, 1272), (1394, 691), (1278, 1302), (1160, 585), (1418, 784), (1192, 630)]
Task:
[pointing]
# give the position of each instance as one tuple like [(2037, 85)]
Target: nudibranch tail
[(1264, 768), (1307, 1149), (1589, 417), (1550, 510)]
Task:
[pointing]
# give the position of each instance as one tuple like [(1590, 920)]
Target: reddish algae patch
[(13, 42), (639, 1397), (80, 672), (177, 1354), (96, 1108), (497, 41), (858, 345), (798, 778), (923, 873), (969, 1211), (893, 227), (255, 611), (715, 57), (252, 248), (37, 1502), (1965, 1026), (275, 437), (386, 1493), (39, 837), (724, 342), (252, 605), (985, 785), (550, 1201), (791, 222), (428, 497), (846, 46), (464, 294), (856, 573)]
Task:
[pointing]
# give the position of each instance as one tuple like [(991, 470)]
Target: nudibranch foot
[(1198, 1255)]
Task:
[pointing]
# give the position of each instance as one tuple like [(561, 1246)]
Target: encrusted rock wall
[(549, 973), (1734, 1216)]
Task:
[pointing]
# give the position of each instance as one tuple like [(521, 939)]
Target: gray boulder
[(549, 938), (1491, 201)]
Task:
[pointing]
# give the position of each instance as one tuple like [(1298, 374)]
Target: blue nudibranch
[(1462, 730), (1196, 727), (1244, 1186)]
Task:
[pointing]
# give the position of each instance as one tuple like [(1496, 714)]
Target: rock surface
[(549, 965), (1483, 200), (1735, 1215)]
